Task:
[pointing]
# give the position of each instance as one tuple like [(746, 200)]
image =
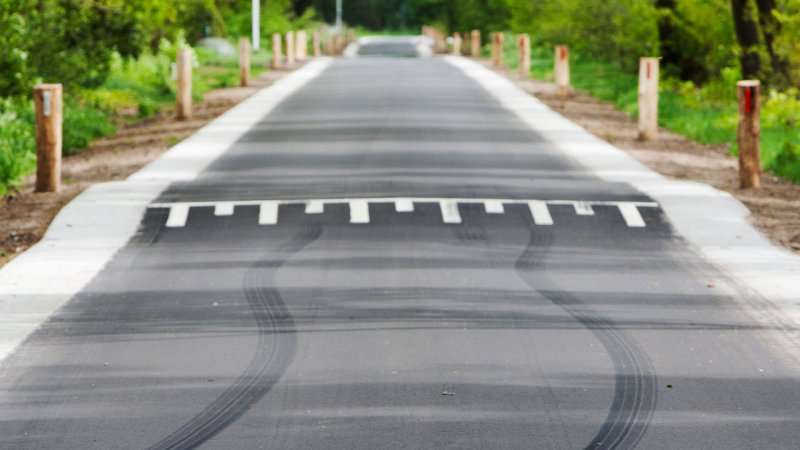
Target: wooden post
[(562, 70), (277, 58), (184, 94), (48, 103), (749, 134), (338, 44), (648, 98), (497, 48), (465, 50), (475, 46), (524, 45), (301, 52), (244, 61), (290, 52), (316, 44), (456, 43)]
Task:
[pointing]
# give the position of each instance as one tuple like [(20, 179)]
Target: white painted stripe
[(631, 215), (540, 212), (494, 207), (178, 214), (359, 211), (404, 205), (315, 207), (268, 213), (450, 212), (584, 209), (224, 209)]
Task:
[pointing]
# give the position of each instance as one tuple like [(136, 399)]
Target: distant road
[(391, 259)]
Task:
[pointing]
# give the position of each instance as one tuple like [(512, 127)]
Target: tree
[(748, 37)]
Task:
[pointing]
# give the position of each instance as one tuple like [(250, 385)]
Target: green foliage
[(17, 150)]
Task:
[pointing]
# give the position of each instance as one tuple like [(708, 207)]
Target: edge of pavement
[(92, 228), (713, 222)]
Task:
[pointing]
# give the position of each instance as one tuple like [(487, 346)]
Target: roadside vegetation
[(705, 46), (115, 59)]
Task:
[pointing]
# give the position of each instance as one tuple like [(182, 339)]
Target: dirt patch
[(25, 215), (775, 207)]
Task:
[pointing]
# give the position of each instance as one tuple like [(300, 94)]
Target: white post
[(256, 25), (338, 16), (648, 99)]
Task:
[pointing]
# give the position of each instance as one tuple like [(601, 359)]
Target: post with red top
[(277, 58), (524, 46), (475, 45), (244, 61), (749, 134), (456, 43), (497, 48), (562, 70), (184, 94), (648, 98), (48, 105)]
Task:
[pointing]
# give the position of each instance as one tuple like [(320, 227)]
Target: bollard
[(290, 48), (648, 98), (524, 45), (184, 94), (338, 44), (48, 104), (465, 50), (456, 44), (749, 133), (562, 70), (277, 58), (497, 48), (302, 45), (244, 62), (475, 46), (317, 49)]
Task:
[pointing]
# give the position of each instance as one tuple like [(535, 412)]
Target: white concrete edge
[(87, 232), (712, 221)]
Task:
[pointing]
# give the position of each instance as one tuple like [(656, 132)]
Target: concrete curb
[(712, 221), (87, 233)]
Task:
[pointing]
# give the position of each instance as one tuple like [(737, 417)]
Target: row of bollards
[(749, 102), (48, 100)]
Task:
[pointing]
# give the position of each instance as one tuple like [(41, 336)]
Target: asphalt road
[(392, 260)]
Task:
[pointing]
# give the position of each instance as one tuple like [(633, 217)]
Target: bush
[(17, 148)]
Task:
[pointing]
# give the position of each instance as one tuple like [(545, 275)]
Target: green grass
[(134, 90), (706, 114)]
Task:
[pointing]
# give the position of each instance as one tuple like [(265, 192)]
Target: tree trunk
[(747, 35), (770, 28)]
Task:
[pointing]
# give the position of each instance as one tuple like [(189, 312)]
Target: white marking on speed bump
[(268, 213), (359, 208), (540, 212), (359, 211), (224, 209), (450, 212), (178, 214), (630, 213), (315, 207), (404, 205), (494, 207), (583, 209)]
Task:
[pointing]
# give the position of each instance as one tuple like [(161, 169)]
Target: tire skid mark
[(276, 348), (635, 383)]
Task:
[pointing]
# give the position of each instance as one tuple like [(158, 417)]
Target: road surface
[(390, 259)]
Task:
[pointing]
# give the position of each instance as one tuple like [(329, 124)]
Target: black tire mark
[(635, 383), (276, 348)]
